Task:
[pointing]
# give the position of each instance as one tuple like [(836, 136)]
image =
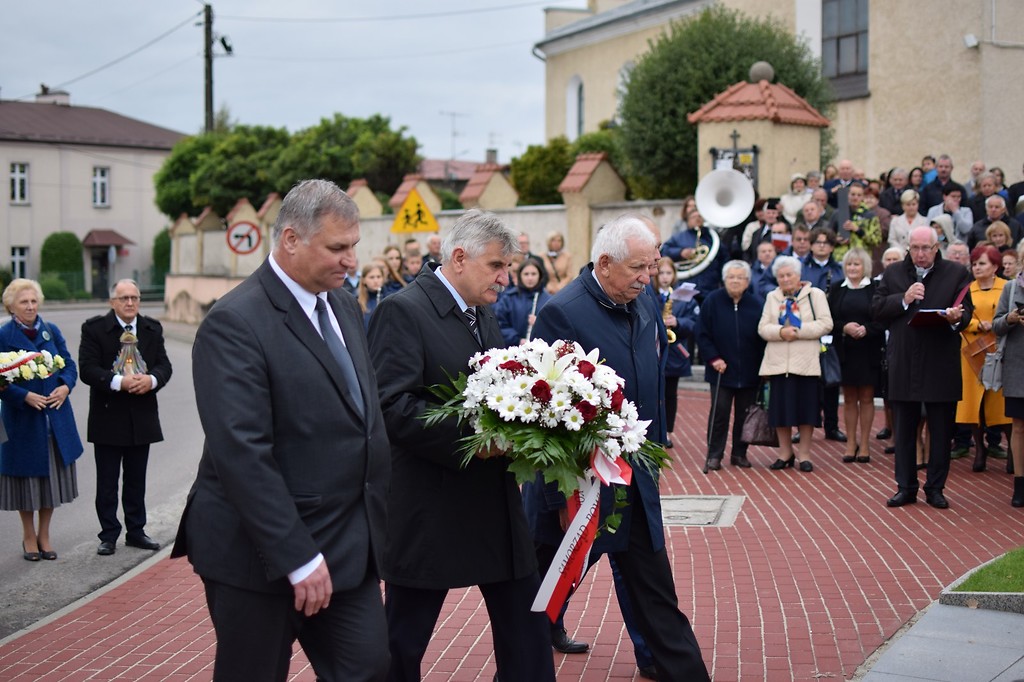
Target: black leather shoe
[(106, 549), (782, 463), (739, 461), (714, 464), (795, 438), (884, 434), (937, 500), (836, 435), (901, 498), (566, 644), (28, 556), (648, 672), (142, 542), (806, 467), (890, 449)]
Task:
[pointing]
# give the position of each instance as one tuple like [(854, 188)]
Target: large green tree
[(239, 166), (173, 180), (537, 172), (684, 69)]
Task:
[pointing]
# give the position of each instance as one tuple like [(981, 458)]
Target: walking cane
[(711, 420)]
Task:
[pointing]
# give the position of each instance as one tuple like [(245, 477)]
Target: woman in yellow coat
[(978, 407)]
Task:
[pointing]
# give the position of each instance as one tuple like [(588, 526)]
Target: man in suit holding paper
[(285, 522), (924, 303)]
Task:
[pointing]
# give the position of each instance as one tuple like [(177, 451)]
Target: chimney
[(47, 96), (491, 156)]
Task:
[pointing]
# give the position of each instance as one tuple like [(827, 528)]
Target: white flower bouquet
[(549, 408), (23, 365)]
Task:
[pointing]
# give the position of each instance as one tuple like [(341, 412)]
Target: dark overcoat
[(450, 525), (627, 337), (118, 417), (924, 361)]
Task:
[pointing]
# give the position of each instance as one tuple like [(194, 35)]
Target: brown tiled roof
[(442, 170), (761, 101), (409, 183), (356, 184), (51, 123), (105, 238), (478, 182), (582, 170), (271, 198)]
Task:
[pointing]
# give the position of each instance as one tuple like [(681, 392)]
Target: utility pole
[(208, 58), (453, 115)]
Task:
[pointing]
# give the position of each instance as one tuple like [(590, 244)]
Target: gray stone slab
[(701, 510), (970, 626), (1015, 673), (942, 660)]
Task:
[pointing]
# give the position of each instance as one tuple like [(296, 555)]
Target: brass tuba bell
[(724, 198)]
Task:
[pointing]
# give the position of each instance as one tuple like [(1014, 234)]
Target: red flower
[(587, 410), (617, 397), (485, 360), (585, 368), (564, 349), (541, 390), (513, 366)]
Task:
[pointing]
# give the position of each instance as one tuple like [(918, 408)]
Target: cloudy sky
[(295, 62)]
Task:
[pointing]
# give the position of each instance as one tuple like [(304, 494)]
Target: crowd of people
[(809, 258)]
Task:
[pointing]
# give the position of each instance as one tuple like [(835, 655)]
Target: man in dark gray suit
[(285, 522), (452, 525)]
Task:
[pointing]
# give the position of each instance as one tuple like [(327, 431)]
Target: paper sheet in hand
[(929, 317), (684, 292)]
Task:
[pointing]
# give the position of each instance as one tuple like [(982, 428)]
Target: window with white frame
[(844, 46), (574, 108), (19, 183), (19, 261), (100, 186)]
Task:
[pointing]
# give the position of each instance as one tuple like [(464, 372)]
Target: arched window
[(620, 88), (574, 108)]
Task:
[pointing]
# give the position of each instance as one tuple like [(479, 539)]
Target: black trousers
[(647, 575), (522, 638), (940, 419), (830, 408), (110, 460), (255, 632), (736, 401), (671, 402)]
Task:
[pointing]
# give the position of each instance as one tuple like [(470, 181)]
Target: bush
[(54, 288), (161, 256), (61, 252)]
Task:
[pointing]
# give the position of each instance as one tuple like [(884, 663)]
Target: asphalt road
[(31, 591)]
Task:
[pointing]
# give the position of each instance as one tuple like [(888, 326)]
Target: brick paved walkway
[(815, 574)]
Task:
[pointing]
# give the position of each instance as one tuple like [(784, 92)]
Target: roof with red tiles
[(761, 101), (445, 170), (478, 182), (268, 203), (581, 172), (409, 183), (355, 185), (105, 238), (63, 123)]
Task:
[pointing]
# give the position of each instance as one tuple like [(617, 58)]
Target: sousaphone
[(724, 198)]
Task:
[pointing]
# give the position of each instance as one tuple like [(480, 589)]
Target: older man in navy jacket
[(600, 309)]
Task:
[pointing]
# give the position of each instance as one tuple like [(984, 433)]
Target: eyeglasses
[(127, 299), (821, 242), (923, 249)]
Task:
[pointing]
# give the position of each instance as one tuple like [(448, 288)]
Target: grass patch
[(1005, 574)]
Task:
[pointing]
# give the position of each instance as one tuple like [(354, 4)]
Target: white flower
[(572, 419)]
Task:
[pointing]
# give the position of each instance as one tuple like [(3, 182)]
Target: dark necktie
[(128, 328), (340, 353), (471, 318)]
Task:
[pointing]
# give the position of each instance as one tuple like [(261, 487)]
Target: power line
[(391, 17), (386, 57), (122, 58)]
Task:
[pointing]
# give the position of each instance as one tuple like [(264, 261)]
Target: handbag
[(992, 369), (977, 350), (831, 372), (756, 428)]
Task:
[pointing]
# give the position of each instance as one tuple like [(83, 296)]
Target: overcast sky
[(295, 62)]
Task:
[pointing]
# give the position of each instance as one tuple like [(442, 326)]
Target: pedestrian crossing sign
[(414, 215)]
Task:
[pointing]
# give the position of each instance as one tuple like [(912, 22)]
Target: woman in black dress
[(860, 344)]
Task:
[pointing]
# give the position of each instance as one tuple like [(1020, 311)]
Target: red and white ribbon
[(610, 470)]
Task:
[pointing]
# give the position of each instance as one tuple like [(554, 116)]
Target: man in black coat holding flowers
[(599, 309), (451, 525)]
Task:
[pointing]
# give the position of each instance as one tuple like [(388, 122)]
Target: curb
[(1011, 602)]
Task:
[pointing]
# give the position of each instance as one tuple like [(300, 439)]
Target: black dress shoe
[(28, 556), (48, 556), (901, 498), (142, 542), (795, 438), (884, 434), (715, 463), (648, 672), (782, 463), (806, 467), (105, 549), (937, 500), (739, 461), (890, 449), (566, 644), (836, 435)]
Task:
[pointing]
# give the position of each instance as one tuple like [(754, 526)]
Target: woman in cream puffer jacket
[(794, 318)]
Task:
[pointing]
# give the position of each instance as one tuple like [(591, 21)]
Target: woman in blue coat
[(732, 351), (37, 463), (517, 309)]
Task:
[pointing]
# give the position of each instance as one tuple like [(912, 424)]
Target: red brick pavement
[(815, 574)]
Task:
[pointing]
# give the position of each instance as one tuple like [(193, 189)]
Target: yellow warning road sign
[(414, 216)]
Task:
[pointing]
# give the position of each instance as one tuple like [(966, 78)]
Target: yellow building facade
[(912, 78)]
